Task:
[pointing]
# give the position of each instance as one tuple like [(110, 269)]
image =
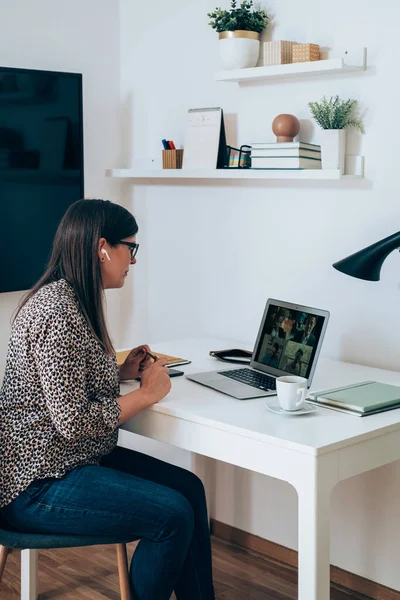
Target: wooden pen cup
[(172, 159)]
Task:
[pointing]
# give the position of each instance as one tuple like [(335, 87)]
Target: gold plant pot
[(239, 33)]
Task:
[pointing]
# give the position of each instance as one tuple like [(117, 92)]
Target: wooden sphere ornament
[(285, 127)]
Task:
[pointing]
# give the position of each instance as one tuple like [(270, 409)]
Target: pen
[(153, 356)]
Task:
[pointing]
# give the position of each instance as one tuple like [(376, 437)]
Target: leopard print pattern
[(58, 399)]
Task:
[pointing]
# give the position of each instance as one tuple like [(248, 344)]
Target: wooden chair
[(33, 541)]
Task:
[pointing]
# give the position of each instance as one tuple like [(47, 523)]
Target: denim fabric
[(162, 505)]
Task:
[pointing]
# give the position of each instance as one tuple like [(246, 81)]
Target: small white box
[(277, 53)]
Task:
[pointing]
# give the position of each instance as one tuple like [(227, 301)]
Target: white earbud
[(106, 253)]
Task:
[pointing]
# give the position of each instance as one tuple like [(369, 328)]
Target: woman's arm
[(61, 364), (155, 385), (58, 347)]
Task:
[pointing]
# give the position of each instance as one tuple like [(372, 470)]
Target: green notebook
[(364, 398)]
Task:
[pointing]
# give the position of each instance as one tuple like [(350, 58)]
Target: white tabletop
[(315, 433)]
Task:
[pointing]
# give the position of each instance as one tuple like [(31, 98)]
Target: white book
[(285, 163), (272, 145), (286, 152)]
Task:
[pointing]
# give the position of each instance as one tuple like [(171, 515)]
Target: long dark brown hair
[(74, 257)]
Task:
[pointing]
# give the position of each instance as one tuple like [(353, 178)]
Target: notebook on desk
[(172, 361), (360, 399)]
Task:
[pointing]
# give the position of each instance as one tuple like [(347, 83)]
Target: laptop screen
[(289, 339)]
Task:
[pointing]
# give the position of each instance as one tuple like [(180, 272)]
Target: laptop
[(289, 341)]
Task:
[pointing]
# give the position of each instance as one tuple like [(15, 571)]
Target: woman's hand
[(135, 363), (155, 381), (155, 385)]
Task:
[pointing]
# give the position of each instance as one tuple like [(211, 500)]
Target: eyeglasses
[(133, 248)]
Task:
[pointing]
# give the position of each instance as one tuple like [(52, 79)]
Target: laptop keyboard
[(253, 378)]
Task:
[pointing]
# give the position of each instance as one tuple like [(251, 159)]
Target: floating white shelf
[(350, 62), (229, 174)]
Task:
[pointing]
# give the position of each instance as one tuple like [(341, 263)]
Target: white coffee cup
[(292, 391)]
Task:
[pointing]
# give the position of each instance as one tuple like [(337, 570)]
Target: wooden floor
[(91, 574)]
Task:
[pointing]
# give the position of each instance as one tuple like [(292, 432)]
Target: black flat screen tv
[(41, 167)]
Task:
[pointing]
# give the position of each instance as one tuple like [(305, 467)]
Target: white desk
[(312, 452)]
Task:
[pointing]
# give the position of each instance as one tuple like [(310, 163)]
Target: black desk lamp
[(367, 263)]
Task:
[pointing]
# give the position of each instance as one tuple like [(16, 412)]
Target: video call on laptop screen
[(289, 340)]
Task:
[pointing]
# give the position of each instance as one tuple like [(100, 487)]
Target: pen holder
[(172, 159)]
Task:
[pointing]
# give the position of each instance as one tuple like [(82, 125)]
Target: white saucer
[(274, 407)]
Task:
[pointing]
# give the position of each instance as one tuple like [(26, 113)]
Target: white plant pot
[(239, 49), (333, 149)]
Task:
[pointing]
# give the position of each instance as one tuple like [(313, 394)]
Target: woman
[(60, 408)]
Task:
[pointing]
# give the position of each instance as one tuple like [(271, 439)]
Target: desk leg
[(205, 468), (314, 493), (29, 573)]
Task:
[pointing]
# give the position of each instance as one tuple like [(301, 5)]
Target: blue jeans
[(130, 493)]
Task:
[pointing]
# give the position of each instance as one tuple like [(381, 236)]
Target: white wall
[(212, 254), (81, 37)]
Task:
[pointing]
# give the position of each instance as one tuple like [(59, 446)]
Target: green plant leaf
[(335, 113), (243, 17)]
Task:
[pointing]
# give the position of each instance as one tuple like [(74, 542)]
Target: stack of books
[(285, 155), (359, 399)]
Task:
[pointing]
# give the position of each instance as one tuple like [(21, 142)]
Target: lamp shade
[(367, 263)]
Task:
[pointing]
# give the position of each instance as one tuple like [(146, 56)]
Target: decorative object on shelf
[(239, 33), (172, 159), (367, 263), (305, 53), (285, 127), (290, 155), (277, 53), (239, 158), (336, 113), (205, 141), (334, 116), (334, 149)]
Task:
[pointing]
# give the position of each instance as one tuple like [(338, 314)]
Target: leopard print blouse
[(58, 400)]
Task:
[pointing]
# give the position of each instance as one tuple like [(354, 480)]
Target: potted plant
[(239, 33), (334, 116)]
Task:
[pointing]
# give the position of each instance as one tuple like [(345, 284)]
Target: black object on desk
[(174, 372), (233, 355), (171, 373)]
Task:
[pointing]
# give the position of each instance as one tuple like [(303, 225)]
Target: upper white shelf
[(232, 174), (349, 62)]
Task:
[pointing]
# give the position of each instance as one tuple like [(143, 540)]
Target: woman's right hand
[(155, 381)]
